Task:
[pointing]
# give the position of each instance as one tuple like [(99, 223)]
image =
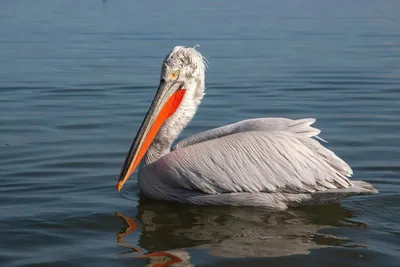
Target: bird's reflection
[(167, 229), (173, 258)]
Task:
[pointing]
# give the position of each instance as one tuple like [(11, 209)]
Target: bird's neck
[(171, 130)]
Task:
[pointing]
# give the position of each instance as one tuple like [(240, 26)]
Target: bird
[(275, 163)]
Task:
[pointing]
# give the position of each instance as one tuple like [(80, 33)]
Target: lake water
[(76, 78)]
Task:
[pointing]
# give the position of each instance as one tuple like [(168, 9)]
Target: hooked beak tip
[(120, 184)]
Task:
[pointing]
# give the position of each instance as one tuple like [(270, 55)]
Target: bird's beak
[(166, 101)]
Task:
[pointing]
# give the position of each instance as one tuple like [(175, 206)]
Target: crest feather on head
[(186, 57)]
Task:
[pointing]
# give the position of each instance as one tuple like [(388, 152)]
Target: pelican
[(275, 163)]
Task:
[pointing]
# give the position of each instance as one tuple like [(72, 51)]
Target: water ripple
[(77, 77)]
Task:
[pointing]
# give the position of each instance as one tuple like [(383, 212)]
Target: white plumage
[(270, 162)]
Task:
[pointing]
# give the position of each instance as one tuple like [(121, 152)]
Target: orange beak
[(170, 258), (166, 101)]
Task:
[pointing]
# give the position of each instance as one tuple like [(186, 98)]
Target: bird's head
[(185, 66)]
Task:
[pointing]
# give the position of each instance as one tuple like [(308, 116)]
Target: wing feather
[(301, 127), (256, 161)]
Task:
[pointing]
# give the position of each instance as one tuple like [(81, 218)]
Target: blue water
[(76, 78)]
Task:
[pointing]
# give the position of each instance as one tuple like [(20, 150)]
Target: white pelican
[(269, 162)]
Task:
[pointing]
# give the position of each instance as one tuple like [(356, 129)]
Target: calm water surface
[(76, 78)]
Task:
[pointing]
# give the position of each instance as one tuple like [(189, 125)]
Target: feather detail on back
[(256, 161), (270, 162), (302, 127)]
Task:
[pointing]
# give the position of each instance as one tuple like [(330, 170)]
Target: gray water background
[(76, 78)]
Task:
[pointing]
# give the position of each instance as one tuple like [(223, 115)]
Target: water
[(77, 78)]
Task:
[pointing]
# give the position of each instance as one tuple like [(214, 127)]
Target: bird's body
[(270, 162)]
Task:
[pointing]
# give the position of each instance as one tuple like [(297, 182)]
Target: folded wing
[(301, 127), (281, 158)]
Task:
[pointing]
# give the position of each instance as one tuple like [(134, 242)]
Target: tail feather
[(364, 188), (332, 196), (358, 188)]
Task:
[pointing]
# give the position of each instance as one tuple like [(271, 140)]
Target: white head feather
[(190, 66)]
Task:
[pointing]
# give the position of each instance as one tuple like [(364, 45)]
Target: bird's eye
[(174, 75)]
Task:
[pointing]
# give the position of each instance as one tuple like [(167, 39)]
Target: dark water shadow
[(170, 231)]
